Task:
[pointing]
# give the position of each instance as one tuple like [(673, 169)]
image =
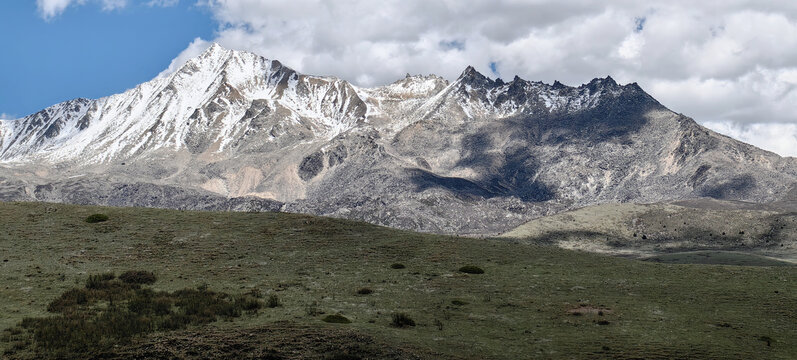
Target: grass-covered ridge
[(531, 301)]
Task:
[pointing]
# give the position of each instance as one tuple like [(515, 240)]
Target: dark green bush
[(471, 269), (458, 302), (401, 320), (204, 305), (397, 266), (365, 291), (766, 339), (96, 218), (68, 300), (248, 303), (176, 322), (147, 302), (273, 301), (99, 281), (138, 277), (336, 319)]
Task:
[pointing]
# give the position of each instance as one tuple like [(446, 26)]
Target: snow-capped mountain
[(213, 99), (234, 130)]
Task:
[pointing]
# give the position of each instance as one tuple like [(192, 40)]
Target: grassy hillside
[(654, 229), (532, 301)]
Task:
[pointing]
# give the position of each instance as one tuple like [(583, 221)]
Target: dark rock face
[(736, 188), (476, 156), (311, 166)]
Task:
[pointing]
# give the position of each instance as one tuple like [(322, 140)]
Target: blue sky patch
[(88, 52), (639, 24), (453, 45), (494, 68)]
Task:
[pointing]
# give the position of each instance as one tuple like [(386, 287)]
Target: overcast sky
[(731, 65)]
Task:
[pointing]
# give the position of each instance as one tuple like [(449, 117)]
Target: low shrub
[(365, 291), (336, 319), (138, 277), (147, 302), (99, 281), (397, 266), (69, 300), (471, 269), (401, 320), (96, 218), (273, 301), (766, 339), (458, 302), (248, 303), (312, 309)]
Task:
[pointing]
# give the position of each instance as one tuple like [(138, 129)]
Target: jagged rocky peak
[(474, 79), (471, 77), (483, 96)]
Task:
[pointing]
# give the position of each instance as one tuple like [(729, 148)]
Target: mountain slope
[(476, 155)]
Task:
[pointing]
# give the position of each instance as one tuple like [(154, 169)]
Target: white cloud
[(779, 138), (48, 9), (4, 116), (163, 3), (109, 5), (193, 50)]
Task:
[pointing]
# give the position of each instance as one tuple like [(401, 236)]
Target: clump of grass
[(99, 281), (150, 303), (336, 319), (96, 218), (365, 291), (138, 277), (471, 269), (312, 309), (248, 303), (70, 299), (273, 301), (766, 339), (401, 320), (458, 302), (397, 266), (256, 293)]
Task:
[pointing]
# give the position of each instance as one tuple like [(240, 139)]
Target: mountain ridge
[(475, 155)]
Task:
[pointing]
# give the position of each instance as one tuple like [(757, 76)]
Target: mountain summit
[(233, 130)]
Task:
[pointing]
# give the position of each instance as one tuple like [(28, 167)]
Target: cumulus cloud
[(779, 138), (194, 49), (163, 3), (48, 9), (109, 5)]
